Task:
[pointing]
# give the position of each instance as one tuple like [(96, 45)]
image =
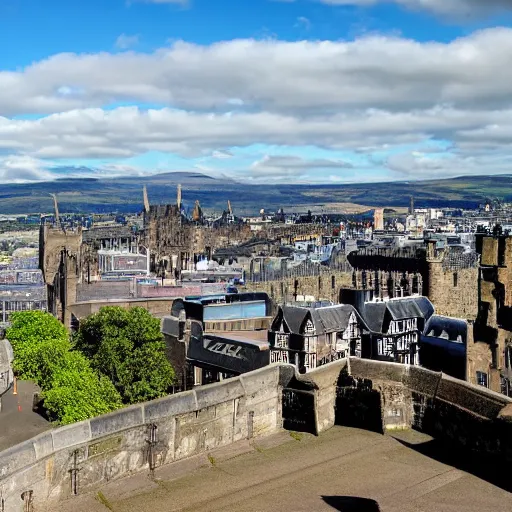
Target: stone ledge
[(117, 421), (15, 458), (253, 382), (214, 394), (171, 405), (71, 435)]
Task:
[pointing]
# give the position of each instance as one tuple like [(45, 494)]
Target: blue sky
[(309, 91)]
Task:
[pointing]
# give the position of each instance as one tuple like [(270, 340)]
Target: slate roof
[(326, 319), (21, 292), (105, 232), (443, 327), (374, 313)]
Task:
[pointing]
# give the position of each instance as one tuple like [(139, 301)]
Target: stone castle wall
[(355, 392), (325, 286), (454, 292), (383, 396), (110, 446)]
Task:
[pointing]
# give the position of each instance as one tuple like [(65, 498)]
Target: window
[(310, 344), (481, 379), (198, 374), (508, 357), (494, 355), (309, 328), (455, 279), (333, 282), (282, 340), (506, 386)]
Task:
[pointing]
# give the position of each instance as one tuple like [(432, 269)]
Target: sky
[(260, 91)]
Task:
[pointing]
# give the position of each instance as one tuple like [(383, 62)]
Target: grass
[(104, 501), (296, 435), (212, 460)]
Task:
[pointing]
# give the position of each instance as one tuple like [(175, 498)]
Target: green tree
[(77, 392), (128, 347), (39, 342), (72, 389)]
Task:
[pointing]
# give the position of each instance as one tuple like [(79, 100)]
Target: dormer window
[(309, 328)]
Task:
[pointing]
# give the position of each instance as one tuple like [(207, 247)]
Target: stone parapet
[(137, 438), (368, 394)]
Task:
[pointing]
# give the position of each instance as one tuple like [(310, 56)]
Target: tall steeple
[(56, 207), (146, 200), (197, 214)]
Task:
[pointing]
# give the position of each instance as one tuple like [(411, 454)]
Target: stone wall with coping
[(116, 444), (382, 396), (356, 392)]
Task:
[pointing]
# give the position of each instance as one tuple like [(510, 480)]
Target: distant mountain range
[(124, 195)]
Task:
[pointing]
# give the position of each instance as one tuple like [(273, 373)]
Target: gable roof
[(443, 327), (325, 320), (331, 318), (374, 313)]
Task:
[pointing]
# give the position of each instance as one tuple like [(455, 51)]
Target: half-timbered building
[(308, 337)]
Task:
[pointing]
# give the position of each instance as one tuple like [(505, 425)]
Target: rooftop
[(259, 338), (343, 469)]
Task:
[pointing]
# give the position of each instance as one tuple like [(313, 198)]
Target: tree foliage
[(77, 392), (72, 389), (39, 342), (128, 347)]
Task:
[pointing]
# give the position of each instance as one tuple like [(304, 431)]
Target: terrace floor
[(343, 469), (18, 422)]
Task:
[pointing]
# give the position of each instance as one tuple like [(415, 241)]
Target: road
[(343, 469), (17, 420)]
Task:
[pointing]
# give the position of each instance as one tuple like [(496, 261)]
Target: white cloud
[(22, 169), (285, 167), (125, 41), (128, 131), (368, 95), (306, 77), (303, 22), (452, 8), (417, 165), (222, 154)]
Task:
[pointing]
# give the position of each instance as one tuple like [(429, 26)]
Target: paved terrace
[(18, 422), (343, 469)]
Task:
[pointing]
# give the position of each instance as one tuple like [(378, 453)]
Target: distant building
[(213, 337), (308, 337), (378, 220), (492, 365), (22, 289)]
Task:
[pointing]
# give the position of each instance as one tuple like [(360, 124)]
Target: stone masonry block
[(171, 405), (476, 399), (214, 394), (71, 435), (376, 370), (262, 379), (43, 445), (17, 457), (422, 380), (117, 421)]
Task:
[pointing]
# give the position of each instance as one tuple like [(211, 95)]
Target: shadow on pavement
[(351, 504), (484, 467)]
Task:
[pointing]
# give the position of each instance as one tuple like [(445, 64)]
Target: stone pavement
[(343, 469), (18, 422)]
